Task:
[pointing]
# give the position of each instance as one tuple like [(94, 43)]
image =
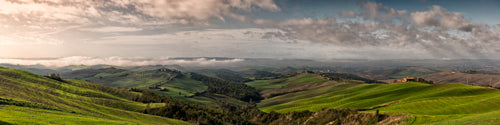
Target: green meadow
[(423, 103), (301, 79), (28, 98)]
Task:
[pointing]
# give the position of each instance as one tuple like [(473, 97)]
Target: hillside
[(191, 87), (225, 74), (26, 98), (420, 103), (465, 78), (295, 83)]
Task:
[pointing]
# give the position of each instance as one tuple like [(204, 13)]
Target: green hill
[(27, 98), (423, 103), (191, 87), (297, 80)]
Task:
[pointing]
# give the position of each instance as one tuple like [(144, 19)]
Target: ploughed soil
[(464, 78)]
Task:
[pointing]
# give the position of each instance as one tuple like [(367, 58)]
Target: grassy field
[(425, 104), (303, 94), (301, 79), (27, 98), (181, 87)]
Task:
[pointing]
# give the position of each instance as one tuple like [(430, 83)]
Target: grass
[(301, 79), (267, 84), (179, 87), (426, 104), (185, 86), (33, 99), (303, 94)]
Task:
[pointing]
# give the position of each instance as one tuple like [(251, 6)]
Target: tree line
[(235, 90), (249, 114)]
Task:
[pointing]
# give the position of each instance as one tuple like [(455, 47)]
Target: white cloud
[(388, 28), (117, 61), (372, 10), (440, 18), (33, 19), (196, 10), (108, 29), (212, 36)]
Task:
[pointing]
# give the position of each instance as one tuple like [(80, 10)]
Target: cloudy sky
[(295, 29)]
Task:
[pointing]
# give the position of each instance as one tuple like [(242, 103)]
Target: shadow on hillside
[(5, 123)]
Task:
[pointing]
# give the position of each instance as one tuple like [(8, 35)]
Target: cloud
[(135, 12), (33, 19), (348, 13), (372, 10), (189, 11), (108, 29), (315, 30), (449, 36), (440, 18), (117, 61)]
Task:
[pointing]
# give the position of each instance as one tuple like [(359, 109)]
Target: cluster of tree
[(341, 76), (225, 74), (248, 114), (55, 77), (232, 77), (258, 74), (231, 89), (228, 113), (425, 81), (471, 72)]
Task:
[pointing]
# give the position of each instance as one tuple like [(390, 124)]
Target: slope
[(191, 87), (27, 98), (287, 82), (479, 79), (426, 104)]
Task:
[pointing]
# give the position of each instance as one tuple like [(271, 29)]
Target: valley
[(296, 91)]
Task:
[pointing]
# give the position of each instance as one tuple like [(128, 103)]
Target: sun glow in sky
[(305, 29)]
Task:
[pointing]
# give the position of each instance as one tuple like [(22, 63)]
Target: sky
[(290, 29)]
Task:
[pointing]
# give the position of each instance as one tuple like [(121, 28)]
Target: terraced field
[(424, 104), (26, 98)]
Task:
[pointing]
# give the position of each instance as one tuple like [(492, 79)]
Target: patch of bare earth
[(464, 78), (394, 120)]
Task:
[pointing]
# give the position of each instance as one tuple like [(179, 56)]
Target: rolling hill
[(419, 103), (191, 87), (478, 79), (27, 98)]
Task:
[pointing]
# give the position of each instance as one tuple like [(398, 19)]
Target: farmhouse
[(163, 69), (409, 79), (413, 79)]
